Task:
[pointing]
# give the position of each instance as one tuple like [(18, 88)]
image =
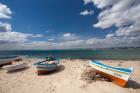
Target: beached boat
[(117, 75), (7, 60), (14, 67), (46, 66)]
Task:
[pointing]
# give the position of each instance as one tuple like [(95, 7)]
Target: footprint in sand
[(51, 88)]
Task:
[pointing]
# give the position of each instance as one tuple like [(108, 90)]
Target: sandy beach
[(66, 79)]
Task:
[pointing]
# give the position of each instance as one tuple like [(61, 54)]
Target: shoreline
[(66, 80), (86, 59)]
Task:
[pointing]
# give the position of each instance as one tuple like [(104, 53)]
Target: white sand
[(66, 80)]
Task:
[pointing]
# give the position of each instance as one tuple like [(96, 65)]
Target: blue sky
[(57, 16), (44, 24)]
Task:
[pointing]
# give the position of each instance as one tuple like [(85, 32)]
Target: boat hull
[(117, 76), (114, 79), (44, 68), (7, 63), (42, 72), (11, 68), (7, 60)]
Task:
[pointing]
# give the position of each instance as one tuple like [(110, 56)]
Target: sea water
[(115, 54)]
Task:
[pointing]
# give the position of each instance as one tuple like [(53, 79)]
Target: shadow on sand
[(59, 69), (19, 70), (133, 84)]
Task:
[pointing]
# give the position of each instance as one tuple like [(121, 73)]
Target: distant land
[(109, 48), (106, 48), (121, 48)]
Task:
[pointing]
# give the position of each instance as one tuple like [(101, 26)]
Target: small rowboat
[(46, 66), (7, 60), (117, 75), (14, 67)]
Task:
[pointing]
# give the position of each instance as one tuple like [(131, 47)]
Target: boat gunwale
[(110, 67), (38, 64)]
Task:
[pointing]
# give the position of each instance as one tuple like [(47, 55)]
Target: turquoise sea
[(115, 54)]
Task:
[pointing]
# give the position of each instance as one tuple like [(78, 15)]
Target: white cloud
[(53, 45), (7, 35), (125, 15), (13, 37), (67, 34), (50, 39), (102, 3), (121, 13), (5, 12), (5, 27), (110, 35), (86, 12), (87, 1), (79, 43), (36, 35), (16, 37), (68, 37)]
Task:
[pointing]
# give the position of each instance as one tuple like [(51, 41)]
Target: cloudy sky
[(69, 24)]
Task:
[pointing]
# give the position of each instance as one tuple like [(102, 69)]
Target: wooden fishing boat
[(7, 60), (117, 75), (14, 67), (46, 66)]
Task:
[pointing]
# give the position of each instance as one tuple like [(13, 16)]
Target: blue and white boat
[(46, 66), (117, 75)]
